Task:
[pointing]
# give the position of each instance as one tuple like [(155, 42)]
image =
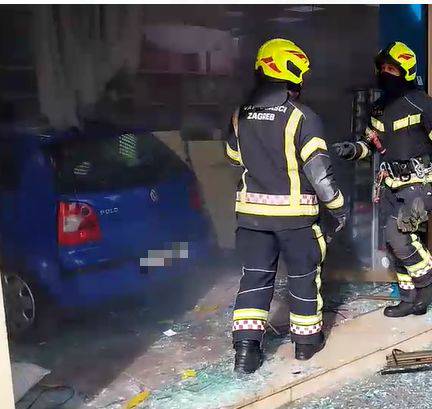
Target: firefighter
[(280, 146), (400, 129)]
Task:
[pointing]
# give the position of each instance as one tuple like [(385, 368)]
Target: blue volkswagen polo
[(88, 216)]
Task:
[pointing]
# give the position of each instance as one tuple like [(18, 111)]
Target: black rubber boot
[(423, 299), (248, 357), (304, 352), (403, 309)]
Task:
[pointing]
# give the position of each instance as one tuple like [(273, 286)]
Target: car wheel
[(19, 304)]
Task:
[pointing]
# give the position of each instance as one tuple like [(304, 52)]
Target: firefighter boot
[(423, 299), (248, 357), (403, 309), (304, 352)]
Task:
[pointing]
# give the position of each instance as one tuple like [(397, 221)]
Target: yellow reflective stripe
[(414, 119), (235, 123), (276, 210), (400, 123), (419, 246), (430, 135), (365, 150), (417, 267), (336, 203), (321, 241), (290, 154), (318, 283), (311, 146), (233, 154), (407, 121), (250, 314), (305, 319), (394, 184), (244, 189), (424, 254), (377, 124), (404, 278)]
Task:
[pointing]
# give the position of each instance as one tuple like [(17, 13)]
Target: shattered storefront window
[(117, 229)]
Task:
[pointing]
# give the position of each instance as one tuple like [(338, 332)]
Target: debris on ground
[(189, 373), (402, 391), (26, 375), (137, 400), (170, 333), (399, 362)]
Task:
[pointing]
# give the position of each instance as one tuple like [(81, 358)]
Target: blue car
[(88, 216)]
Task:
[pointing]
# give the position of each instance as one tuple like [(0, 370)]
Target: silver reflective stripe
[(255, 289), (302, 299), (263, 198)]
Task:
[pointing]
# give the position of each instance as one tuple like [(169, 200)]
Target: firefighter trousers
[(303, 251), (411, 259)]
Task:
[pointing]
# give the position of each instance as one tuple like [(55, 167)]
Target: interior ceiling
[(227, 17), (248, 19)]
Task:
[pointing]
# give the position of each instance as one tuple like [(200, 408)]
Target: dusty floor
[(112, 355), (402, 391)]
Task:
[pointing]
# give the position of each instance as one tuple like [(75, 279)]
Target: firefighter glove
[(345, 150)]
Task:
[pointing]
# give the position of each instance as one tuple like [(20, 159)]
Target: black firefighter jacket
[(280, 145)]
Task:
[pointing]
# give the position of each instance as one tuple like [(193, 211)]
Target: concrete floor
[(109, 356), (402, 391)]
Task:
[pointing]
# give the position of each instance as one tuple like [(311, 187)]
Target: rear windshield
[(114, 162)]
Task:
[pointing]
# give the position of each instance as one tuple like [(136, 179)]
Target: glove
[(345, 150), (410, 216), (341, 216), (341, 221)]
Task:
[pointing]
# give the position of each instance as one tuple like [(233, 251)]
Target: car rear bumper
[(126, 279)]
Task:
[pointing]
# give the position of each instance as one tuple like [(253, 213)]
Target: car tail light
[(77, 223), (195, 197)]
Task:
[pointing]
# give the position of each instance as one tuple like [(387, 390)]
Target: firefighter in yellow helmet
[(400, 129), (280, 145)]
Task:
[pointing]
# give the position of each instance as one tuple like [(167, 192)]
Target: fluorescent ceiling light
[(285, 19), (304, 9), (234, 13)]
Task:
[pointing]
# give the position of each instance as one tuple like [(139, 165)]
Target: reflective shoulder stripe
[(378, 125), (233, 154), (415, 119), (364, 150), (406, 121), (290, 154), (336, 203), (310, 147)]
